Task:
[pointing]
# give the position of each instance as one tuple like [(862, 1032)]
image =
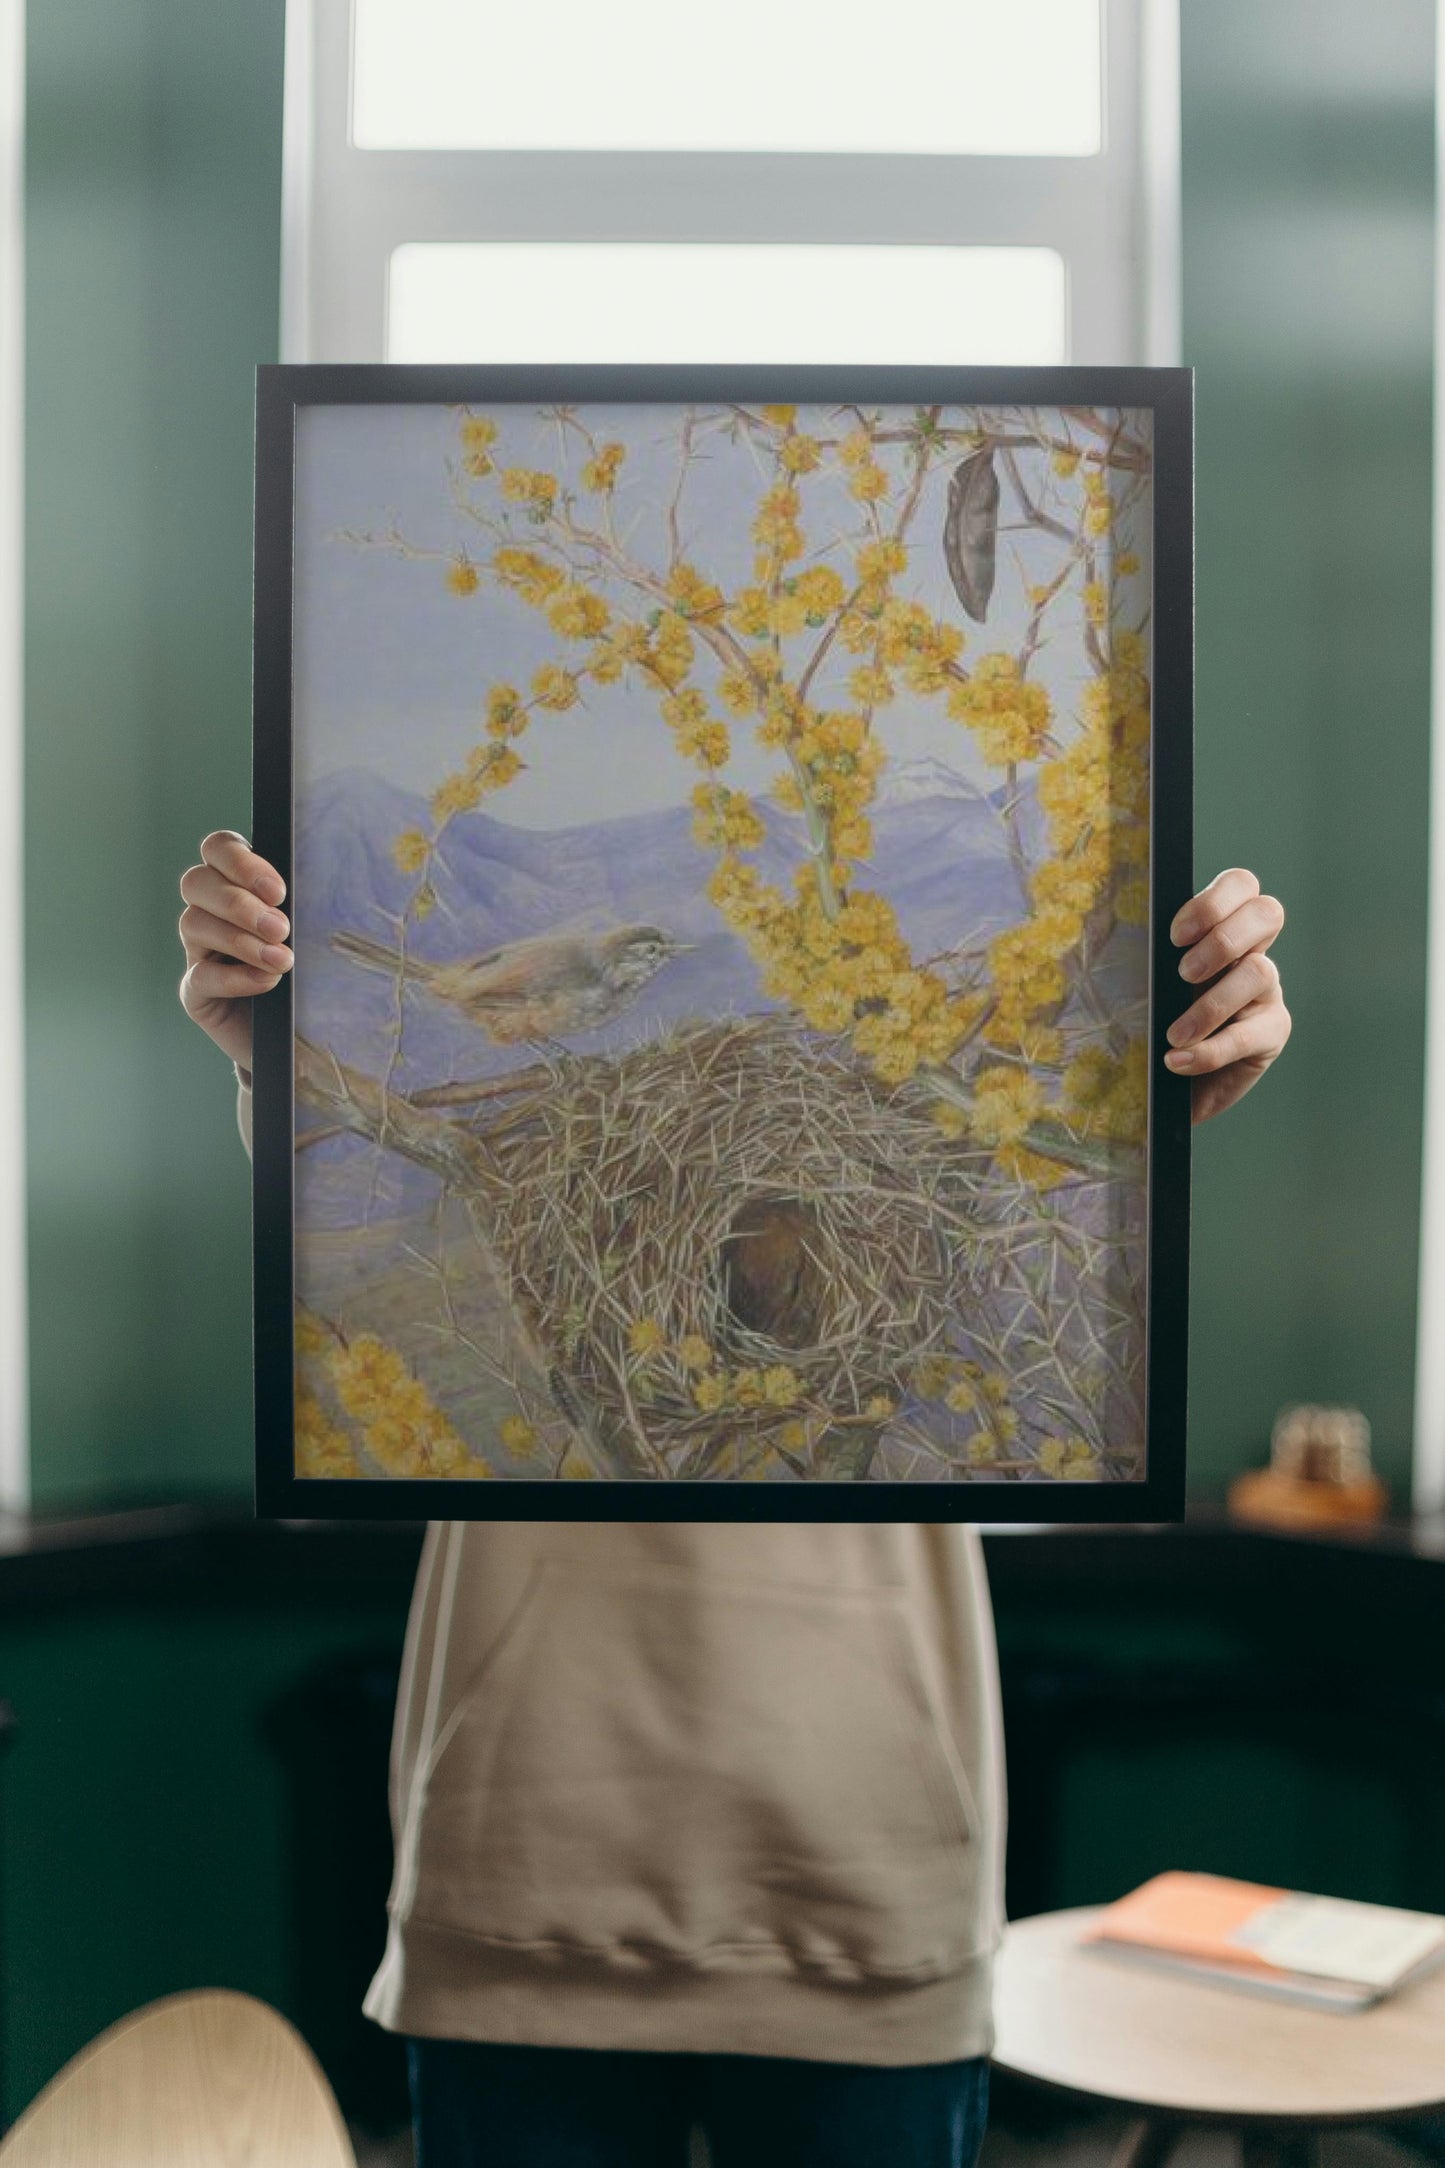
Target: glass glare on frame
[(1003, 78), (511, 301)]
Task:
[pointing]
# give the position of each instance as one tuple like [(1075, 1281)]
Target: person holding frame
[(729, 1755)]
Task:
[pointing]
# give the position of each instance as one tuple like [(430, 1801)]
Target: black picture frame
[(283, 392)]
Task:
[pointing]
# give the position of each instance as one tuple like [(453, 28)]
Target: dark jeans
[(524, 2107)]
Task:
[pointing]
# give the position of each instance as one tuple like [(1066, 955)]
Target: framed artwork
[(731, 820)]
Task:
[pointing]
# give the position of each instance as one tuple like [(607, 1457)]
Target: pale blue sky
[(391, 669)]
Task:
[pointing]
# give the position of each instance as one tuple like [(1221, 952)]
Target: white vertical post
[(1429, 1461), (14, 1398), (1159, 193), (298, 164)]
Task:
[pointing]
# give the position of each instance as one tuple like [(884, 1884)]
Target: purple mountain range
[(940, 856)]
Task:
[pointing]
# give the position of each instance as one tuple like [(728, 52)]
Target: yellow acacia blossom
[(1070, 1460), (500, 766), (726, 820), (821, 591), (555, 688), (1107, 1095), (527, 574), (577, 613), (600, 472), (1098, 505), (1096, 602), (706, 743), (310, 1333), (527, 485), (1064, 462), (867, 482), (411, 850), (932, 1377), (402, 1428), (693, 596), (912, 640), (458, 794), (782, 417), (645, 1336), (322, 1450), (870, 686), (738, 692), (670, 656), (1008, 715), (799, 454), (787, 612), (479, 434), (776, 529), (1034, 1169), (782, 1387), (883, 559), (748, 613), (506, 713), (462, 576), (1006, 1103), (694, 1353), (684, 710), (517, 1435)]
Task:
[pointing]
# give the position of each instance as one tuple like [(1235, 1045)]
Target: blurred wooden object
[(1319, 1473), (206, 2080), (1182, 2052)]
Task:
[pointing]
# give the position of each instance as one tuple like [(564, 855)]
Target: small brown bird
[(546, 987)]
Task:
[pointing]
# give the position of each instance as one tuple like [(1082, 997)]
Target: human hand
[(234, 939), (1228, 1037)]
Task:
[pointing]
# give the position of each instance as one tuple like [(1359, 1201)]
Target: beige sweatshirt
[(709, 1788)]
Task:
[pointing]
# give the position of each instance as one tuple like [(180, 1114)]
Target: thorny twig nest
[(734, 1239)]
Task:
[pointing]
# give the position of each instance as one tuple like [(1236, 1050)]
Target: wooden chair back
[(204, 2080)]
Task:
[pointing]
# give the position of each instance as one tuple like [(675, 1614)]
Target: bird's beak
[(683, 948)]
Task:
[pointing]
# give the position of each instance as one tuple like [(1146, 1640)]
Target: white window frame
[(1112, 217), (1428, 1459), (14, 1330)]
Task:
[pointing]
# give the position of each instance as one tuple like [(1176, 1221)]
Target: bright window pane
[(1011, 77), (642, 301)]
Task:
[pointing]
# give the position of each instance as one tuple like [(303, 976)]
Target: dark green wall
[(153, 179), (149, 1832), (154, 139), (1308, 233)]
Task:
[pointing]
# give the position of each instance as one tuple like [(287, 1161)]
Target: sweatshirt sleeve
[(243, 1104)]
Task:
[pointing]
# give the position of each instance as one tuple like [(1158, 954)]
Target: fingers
[(211, 979), (1225, 893), (233, 858), (1256, 979), (203, 935), (1253, 924), (1256, 1035), (219, 901)]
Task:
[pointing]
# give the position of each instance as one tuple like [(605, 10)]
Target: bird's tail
[(376, 956)]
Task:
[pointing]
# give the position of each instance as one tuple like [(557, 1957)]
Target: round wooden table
[(1181, 2051)]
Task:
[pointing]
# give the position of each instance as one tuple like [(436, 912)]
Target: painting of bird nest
[(722, 888)]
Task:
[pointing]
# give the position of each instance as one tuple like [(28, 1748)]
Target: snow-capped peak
[(906, 782)]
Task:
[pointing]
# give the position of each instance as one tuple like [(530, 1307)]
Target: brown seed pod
[(970, 532)]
